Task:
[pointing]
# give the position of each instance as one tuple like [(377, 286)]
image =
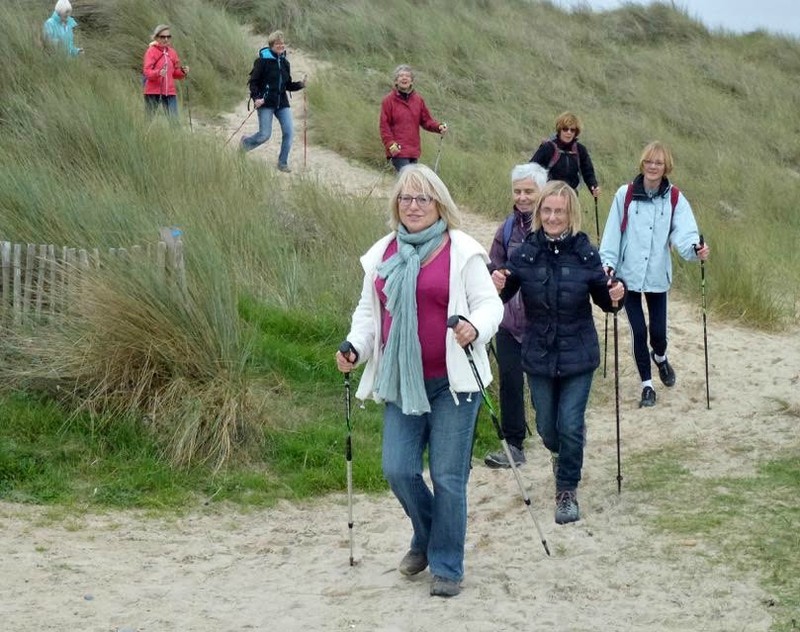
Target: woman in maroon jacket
[(403, 112), (161, 67)]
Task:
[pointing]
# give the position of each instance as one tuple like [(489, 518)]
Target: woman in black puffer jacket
[(557, 270)]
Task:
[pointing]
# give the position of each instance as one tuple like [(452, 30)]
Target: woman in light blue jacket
[(648, 218), (59, 26)]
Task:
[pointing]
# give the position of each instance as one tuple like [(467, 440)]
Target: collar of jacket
[(638, 188)]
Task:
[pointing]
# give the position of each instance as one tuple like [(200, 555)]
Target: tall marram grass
[(93, 172), (500, 72)]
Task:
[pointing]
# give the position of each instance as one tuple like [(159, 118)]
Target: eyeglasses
[(165, 36), (654, 163), (553, 212), (422, 200), (569, 129)]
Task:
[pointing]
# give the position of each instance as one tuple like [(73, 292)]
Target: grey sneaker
[(497, 460), (442, 587), (284, 168), (412, 563), (567, 507)]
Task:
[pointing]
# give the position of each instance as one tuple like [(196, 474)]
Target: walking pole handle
[(346, 347)]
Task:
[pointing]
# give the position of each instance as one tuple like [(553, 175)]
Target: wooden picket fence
[(36, 278)]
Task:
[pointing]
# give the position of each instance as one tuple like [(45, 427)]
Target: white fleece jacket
[(472, 295)]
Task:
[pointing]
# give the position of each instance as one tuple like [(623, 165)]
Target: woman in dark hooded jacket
[(270, 79)]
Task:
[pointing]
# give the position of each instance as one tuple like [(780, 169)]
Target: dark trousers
[(657, 312), (512, 387)]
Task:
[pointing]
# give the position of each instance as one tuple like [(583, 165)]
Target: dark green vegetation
[(247, 406)]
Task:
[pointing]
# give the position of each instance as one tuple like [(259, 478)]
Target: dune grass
[(160, 399)]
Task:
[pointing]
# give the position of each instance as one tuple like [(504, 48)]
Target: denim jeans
[(169, 103), (657, 312), (284, 116), (512, 387), (399, 163), (439, 515), (560, 421)]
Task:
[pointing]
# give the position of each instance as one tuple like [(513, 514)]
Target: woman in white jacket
[(415, 278)]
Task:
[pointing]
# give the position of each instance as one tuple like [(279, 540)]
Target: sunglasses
[(569, 129), (165, 37)]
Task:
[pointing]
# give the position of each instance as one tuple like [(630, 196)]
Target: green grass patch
[(751, 523)]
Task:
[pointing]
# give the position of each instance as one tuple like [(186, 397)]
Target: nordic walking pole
[(241, 125), (451, 323), (605, 337), (188, 105), (345, 349), (439, 152), (616, 395), (305, 124), (705, 331)]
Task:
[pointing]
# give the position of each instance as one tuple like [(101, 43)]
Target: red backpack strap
[(673, 197), (628, 199), (556, 155)]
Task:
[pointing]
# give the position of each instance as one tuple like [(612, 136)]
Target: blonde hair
[(657, 149), (158, 29), (275, 36), (568, 119), (561, 189), (424, 179)]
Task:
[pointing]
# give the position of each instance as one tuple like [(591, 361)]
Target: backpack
[(508, 228), (673, 198), (557, 152)]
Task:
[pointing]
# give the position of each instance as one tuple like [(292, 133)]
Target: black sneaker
[(665, 371), (648, 397), (497, 460)]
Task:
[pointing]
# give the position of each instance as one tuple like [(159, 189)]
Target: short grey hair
[(403, 68), (63, 7), (531, 170)]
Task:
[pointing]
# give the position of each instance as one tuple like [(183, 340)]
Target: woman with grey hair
[(415, 278), (161, 68), (403, 112), (526, 182), (59, 26)]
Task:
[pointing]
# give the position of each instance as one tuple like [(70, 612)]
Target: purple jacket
[(514, 320)]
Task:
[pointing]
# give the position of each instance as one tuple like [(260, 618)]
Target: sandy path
[(287, 568)]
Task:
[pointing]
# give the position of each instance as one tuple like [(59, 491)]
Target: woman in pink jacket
[(403, 112), (160, 69)]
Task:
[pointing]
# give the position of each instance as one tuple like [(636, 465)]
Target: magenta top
[(433, 295)]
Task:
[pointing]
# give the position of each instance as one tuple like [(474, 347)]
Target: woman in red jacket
[(403, 112), (160, 69)]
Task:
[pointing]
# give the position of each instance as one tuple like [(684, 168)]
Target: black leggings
[(657, 311)]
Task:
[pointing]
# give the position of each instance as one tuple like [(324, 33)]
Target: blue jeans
[(560, 404), (399, 163), (438, 516), (657, 311), (169, 103), (284, 116)]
